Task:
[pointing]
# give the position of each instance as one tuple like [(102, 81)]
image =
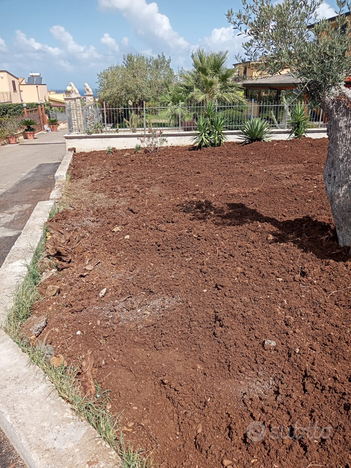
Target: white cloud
[(223, 39), (3, 46), (65, 65), (148, 23), (325, 11), (109, 42), (80, 52), (32, 45)]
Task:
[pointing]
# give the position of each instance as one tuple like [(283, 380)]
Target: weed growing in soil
[(54, 210), (95, 411), (109, 150)]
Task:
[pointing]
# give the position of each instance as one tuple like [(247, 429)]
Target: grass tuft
[(95, 411)]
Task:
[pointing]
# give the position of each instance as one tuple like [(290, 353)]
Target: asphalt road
[(8, 456), (26, 177)]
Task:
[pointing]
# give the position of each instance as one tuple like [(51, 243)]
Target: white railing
[(5, 97), (184, 116)]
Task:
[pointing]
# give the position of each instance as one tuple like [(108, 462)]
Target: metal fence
[(10, 126), (13, 124), (37, 114), (182, 117), (60, 116)]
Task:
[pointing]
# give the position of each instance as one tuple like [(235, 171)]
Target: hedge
[(16, 110)]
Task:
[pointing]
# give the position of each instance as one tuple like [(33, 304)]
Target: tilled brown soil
[(205, 255)]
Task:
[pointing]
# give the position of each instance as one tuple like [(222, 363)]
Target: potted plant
[(53, 124), (30, 128), (11, 128)]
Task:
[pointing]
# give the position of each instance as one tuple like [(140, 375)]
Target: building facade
[(16, 90)]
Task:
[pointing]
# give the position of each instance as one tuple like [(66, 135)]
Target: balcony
[(5, 97)]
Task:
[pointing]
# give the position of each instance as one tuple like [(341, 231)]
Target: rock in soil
[(34, 326), (269, 344), (52, 290)]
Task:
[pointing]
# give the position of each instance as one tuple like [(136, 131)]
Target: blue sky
[(73, 40)]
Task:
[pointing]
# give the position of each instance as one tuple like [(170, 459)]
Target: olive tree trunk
[(337, 172)]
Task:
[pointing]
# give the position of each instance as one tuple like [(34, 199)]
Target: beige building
[(251, 70), (17, 90), (9, 88), (57, 99)]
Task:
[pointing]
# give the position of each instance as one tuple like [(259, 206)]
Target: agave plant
[(218, 135), (210, 128), (299, 121), (203, 137), (256, 129)]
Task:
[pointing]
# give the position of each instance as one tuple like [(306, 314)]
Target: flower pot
[(30, 135), (54, 128), (12, 139)]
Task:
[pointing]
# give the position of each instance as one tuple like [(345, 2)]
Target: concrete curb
[(14, 268), (45, 431), (63, 168), (101, 141), (60, 176)]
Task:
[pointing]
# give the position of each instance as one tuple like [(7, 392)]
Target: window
[(14, 86)]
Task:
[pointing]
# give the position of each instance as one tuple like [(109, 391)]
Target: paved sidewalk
[(26, 177)]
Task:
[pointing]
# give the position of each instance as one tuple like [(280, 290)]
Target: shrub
[(299, 121), (218, 125), (52, 121), (255, 130), (10, 126), (203, 137), (210, 128), (16, 110), (95, 128), (153, 140), (30, 125), (134, 121)]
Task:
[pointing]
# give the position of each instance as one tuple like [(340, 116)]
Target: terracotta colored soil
[(205, 255)]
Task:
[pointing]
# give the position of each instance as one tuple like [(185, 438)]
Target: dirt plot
[(215, 300)]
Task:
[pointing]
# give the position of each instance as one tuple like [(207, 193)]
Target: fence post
[(252, 108), (180, 115), (45, 116), (105, 116), (144, 116)]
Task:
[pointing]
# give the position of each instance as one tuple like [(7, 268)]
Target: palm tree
[(210, 80)]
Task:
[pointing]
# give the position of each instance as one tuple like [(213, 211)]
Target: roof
[(246, 62), (330, 19), (54, 98), (5, 71), (276, 81)]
